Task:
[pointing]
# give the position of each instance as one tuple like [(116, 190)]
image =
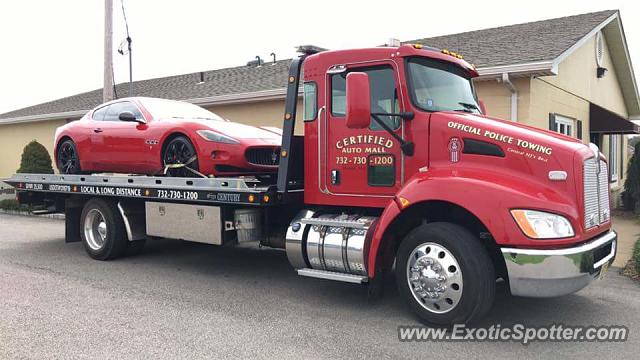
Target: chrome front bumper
[(547, 273)]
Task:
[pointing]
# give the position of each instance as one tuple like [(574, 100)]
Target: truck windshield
[(440, 86)]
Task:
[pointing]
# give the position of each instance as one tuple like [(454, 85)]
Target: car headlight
[(216, 137), (542, 225)]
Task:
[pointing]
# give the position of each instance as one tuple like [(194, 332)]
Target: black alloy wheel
[(179, 156), (68, 160)]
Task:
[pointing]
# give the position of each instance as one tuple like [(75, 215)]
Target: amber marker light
[(520, 218), (403, 202)]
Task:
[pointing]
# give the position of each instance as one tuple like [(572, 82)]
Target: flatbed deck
[(222, 191)]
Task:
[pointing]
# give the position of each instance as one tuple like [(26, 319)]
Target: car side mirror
[(483, 107), (358, 107), (129, 117)]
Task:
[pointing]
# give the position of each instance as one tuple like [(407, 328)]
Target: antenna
[(274, 58)]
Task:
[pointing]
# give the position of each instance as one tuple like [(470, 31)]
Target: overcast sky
[(53, 49)]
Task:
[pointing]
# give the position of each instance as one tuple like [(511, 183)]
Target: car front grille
[(596, 192), (266, 156)]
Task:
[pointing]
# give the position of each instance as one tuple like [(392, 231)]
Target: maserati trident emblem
[(454, 149)]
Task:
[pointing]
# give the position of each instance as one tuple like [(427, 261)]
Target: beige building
[(572, 75)]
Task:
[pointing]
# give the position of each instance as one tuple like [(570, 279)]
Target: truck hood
[(515, 151)]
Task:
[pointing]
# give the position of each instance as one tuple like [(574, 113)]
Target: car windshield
[(163, 109), (441, 86)]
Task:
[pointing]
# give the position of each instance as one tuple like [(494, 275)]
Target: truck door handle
[(97, 130)]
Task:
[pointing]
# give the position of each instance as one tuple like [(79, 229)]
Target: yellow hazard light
[(252, 198), (266, 198), (403, 202), (417, 46)]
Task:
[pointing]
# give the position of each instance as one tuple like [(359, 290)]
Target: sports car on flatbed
[(153, 136)]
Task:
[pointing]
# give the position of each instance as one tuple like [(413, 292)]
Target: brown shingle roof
[(514, 44), (521, 43)]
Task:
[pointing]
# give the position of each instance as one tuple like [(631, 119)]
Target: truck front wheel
[(102, 230), (445, 274)]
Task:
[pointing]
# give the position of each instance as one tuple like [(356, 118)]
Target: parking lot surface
[(184, 300)]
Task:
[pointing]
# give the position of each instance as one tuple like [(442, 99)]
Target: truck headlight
[(216, 137), (542, 225)]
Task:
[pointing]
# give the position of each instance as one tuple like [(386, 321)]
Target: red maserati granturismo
[(153, 136)]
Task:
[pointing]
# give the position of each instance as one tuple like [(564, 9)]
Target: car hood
[(241, 131)]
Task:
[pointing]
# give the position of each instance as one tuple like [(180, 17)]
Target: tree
[(35, 159), (631, 195)]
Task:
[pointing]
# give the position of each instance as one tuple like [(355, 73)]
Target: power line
[(128, 52)]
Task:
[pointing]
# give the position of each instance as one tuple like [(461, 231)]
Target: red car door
[(123, 143)]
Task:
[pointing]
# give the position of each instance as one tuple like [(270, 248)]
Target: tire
[(68, 160), (440, 250), (102, 230), (180, 150)]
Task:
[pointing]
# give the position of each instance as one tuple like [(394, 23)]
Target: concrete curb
[(26, 213)]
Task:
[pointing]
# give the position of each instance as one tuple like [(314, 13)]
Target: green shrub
[(631, 195), (12, 204), (35, 159), (636, 255)]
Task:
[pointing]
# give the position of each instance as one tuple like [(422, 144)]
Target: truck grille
[(596, 193), (269, 156)]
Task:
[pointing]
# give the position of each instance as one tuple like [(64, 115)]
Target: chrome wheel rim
[(434, 277), (95, 229)]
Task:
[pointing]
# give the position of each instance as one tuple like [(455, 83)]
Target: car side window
[(98, 115), (115, 109)]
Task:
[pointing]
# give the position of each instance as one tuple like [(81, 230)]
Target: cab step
[(331, 275)]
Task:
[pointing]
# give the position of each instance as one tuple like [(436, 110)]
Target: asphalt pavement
[(185, 300)]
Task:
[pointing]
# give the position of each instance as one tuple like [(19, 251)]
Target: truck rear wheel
[(102, 230), (445, 274)]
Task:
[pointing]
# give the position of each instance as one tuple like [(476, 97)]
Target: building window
[(614, 157), (565, 125)]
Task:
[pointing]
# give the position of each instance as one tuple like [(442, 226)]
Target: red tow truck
[(399, 170)]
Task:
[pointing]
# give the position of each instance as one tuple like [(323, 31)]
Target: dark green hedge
[(35, 159)]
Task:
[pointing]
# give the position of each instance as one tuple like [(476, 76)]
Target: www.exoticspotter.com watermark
[(516, 333)]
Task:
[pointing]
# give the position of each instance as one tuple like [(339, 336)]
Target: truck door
[(362, 161)]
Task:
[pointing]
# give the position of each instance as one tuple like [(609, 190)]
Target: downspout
[(514, 96)]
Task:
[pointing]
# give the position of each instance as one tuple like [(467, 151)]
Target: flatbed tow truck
[(399, 170)]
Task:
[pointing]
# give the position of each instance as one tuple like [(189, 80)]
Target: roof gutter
[(539, 68), (43, 117)]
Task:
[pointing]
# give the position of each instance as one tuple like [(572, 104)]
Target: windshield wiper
[(469, 106)]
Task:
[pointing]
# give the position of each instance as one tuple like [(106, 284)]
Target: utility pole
[(107, 90)]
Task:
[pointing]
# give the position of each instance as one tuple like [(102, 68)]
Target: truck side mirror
[(483, 107), (358, 105)]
